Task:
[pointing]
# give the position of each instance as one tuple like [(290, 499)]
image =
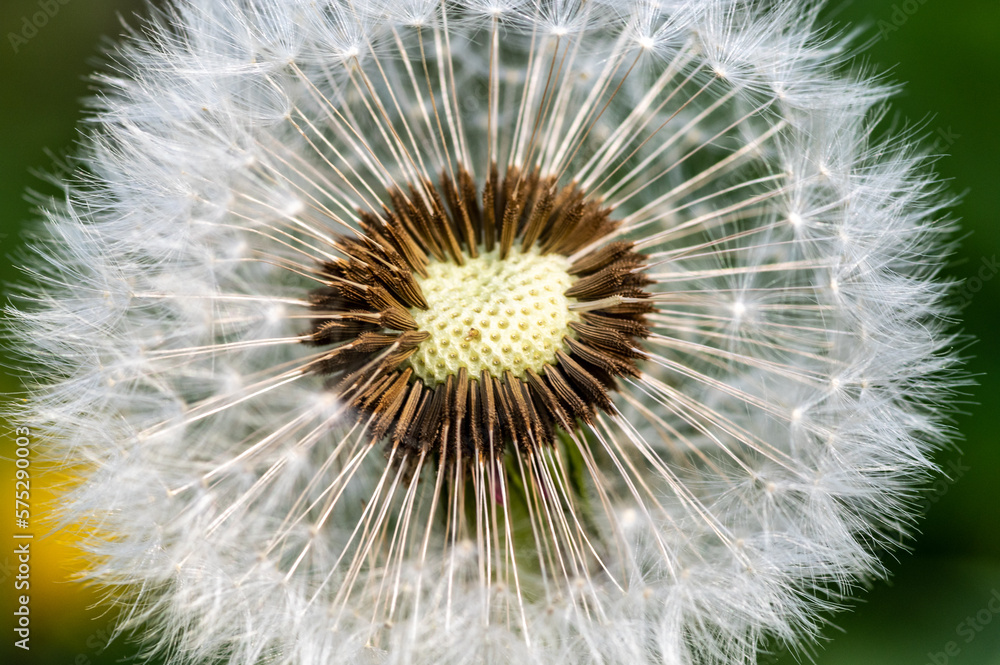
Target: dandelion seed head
[(489, 330)]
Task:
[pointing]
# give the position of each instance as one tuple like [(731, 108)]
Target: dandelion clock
[(488, 331)]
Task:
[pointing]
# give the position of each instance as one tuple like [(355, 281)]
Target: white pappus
[(489, 331)]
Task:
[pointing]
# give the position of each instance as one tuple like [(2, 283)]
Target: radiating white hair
[(741, 486)]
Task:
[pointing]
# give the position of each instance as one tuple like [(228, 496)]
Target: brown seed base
[(365, 311)]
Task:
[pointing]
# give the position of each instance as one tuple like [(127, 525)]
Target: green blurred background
[(936, 610)]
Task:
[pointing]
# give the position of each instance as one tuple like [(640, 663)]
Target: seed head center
[(493, 314), (475, 321)]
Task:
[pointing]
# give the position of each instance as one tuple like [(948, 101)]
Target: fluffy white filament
[(743, 485)]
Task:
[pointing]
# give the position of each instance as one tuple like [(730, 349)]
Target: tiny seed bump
[(503, 324), (509, 312), (515, 337), (523, 325), (526, 312), (538, 305), (533, 292)]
